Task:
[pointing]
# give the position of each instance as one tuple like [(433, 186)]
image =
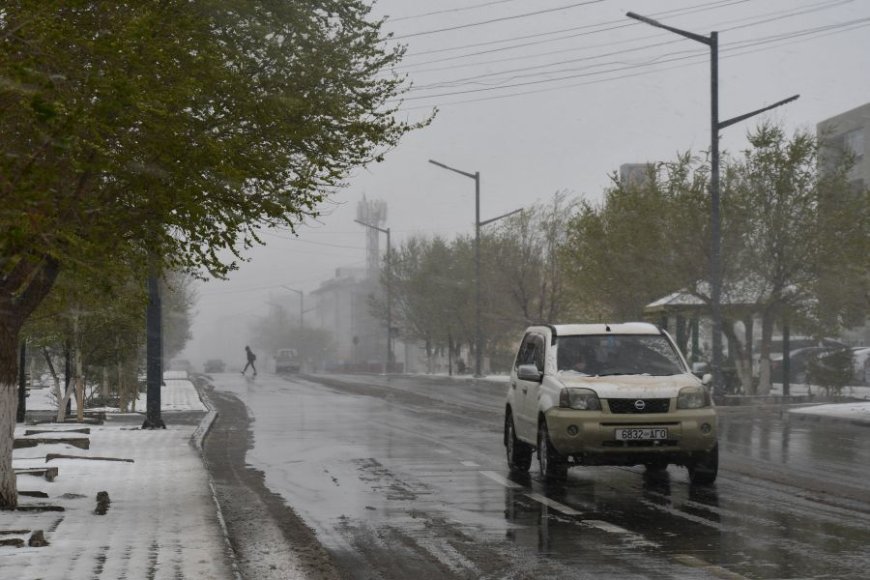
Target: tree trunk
[(23, 286), (8, 410), (449, 354), (57, 393), (764, 352), (738, 353), (79, 380)]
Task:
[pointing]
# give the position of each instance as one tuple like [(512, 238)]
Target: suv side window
[(531, 351)]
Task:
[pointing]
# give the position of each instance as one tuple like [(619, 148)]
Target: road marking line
[(553, 504), (606, 526), (717, 571), (470, 464), (499, 479), (634, 539)]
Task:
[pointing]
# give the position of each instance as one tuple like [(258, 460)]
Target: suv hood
[(631, 386)]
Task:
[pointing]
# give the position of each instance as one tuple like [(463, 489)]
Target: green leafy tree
[(172, 131), (432, 294), (525, 252), (802, 226), (645, 240), (178, 297)]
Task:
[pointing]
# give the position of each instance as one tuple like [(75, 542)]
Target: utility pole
[(154, 354), (301, 305), (715, 218), (478, 337), (389, 362)]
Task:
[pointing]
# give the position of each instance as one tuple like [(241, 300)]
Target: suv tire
[(519, 454), (703, 470), (656, 466), (551, 463)]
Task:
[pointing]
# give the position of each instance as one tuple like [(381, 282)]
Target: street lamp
[(301, 304), (389, 360), (715, 126), (478, 339)]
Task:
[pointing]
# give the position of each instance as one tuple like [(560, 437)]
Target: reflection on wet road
[(406, 478)]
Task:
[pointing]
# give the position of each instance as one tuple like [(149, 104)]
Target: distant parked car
[(214, 365), (861, 364), (287, 361), (799, 360)]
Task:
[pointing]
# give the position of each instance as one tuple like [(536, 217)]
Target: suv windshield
[(618, 355)]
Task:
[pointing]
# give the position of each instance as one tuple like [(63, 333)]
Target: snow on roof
[(620, 328)]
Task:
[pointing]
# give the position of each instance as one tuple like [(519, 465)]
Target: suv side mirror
[(699, 369), (529, 373), (707, 379)]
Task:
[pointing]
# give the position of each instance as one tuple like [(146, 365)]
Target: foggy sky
[(568, 134)]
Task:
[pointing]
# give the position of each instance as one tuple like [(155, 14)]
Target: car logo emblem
[(640, 405)]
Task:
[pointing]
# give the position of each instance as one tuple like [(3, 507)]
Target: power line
[(621, 22), (793, 37), (450, 10), (477, 78), (756, 42), (752, 21), (501, 19)]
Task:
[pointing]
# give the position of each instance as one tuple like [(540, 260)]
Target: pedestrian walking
[(251, 358)]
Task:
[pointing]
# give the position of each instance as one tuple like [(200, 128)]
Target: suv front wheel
[(551, 463), (703, 471), (519, 454)]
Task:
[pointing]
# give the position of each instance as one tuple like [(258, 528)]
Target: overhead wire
[(476, 79), (450, 10), (752, 21), (700, 57), (752, 42), (500, 19), (623, 24)]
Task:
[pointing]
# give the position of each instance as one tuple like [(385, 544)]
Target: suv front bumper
[(590, 436)]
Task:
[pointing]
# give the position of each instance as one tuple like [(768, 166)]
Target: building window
[(854, 142)]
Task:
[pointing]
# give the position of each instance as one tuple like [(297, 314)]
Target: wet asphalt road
[(406, 478)]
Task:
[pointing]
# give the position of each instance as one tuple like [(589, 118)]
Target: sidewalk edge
[(197, 439)]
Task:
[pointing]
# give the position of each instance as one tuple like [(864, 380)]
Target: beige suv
[(607, 394)]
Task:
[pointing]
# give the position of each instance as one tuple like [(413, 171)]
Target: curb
[(838, 419), (197, 440)]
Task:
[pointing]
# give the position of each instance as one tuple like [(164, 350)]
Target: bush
[(832, 372)]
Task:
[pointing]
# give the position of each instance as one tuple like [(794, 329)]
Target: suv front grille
[(638, 406)]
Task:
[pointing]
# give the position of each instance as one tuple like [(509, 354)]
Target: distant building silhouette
[(847, 132), (634, 173)]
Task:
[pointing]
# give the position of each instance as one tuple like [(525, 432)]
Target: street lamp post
[(389, 362), (715, 220), (301, 305), (478, 338)]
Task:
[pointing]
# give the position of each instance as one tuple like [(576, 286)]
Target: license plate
[(641, 434)]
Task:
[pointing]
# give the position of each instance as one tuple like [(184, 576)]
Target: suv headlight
[(580, 399), (693, 398)]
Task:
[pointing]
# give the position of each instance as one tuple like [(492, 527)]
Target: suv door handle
[(525, 390)]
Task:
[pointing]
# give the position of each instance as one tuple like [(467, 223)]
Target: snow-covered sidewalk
[(162, 521), (856, 412), (852, 411)]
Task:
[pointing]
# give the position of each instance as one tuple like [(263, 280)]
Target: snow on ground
[(179, 394), (162, 521), (855, 411), (858, 412)]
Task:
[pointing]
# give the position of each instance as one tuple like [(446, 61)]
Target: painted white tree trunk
[(8, 410), (80, 387), (764, 376)]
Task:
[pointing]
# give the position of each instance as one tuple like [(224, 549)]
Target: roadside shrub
[(831, 372)]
